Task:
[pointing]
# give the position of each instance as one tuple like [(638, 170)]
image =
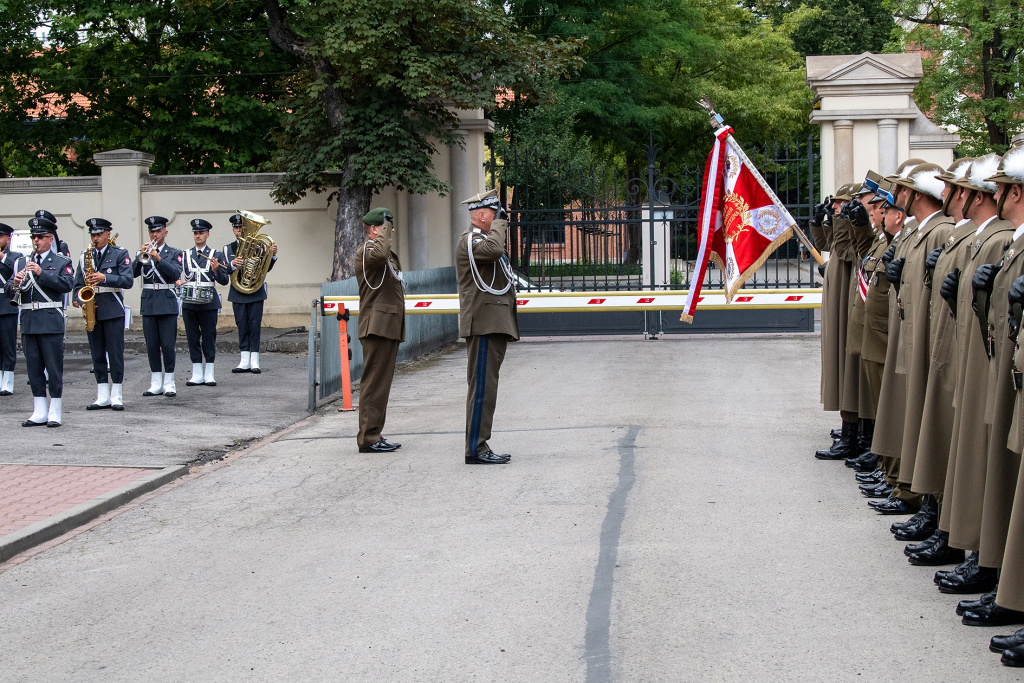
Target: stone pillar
[(888, 146), (419, 226), (463, 187), (843, 132), (121, 171)]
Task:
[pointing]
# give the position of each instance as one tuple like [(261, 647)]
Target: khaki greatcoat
[(968, 453), (875, 330), (1003, 464), (835, 314), (888, 437), (937, 414), (915, 332), (1011, 583)]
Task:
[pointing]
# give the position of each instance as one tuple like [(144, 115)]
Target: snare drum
[(194, 293)]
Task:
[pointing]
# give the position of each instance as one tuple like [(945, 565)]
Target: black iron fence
[(579, 228)]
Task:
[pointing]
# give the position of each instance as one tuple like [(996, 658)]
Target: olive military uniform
[(381, 327), (487, 320)]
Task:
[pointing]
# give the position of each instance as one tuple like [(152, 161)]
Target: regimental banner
[(573, 302)]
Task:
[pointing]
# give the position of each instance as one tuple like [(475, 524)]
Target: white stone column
[(419, 227), (462, 188), (843, 132), (888, 146), (120, 178)]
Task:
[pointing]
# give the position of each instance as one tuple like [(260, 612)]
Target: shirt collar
[(1018, 232), (984, 225), (925, 221)]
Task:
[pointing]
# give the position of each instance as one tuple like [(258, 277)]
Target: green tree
[(972, 58), (830, 27), (376, 98), (193, 82)]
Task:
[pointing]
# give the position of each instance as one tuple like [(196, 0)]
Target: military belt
[(108, 290), (36, 305), (161, 286)]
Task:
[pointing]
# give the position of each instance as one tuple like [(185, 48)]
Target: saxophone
[(87, 294), (254, 249)]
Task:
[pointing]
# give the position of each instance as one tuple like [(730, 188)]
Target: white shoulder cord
[(383, 275), (478, 280)]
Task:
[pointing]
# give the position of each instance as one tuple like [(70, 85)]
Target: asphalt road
[(662, 519), (156, 431)]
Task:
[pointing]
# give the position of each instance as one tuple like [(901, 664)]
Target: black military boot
[(1000, 643), (865, 433), (967, 566), (1013, 656), (974, 579), (920, 526), (992, 615), (914, 548), (938, 554), (865, 462), (965, 606), (835, 434), (844, 447)]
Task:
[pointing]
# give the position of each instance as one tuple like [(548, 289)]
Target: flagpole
[(717, 122)]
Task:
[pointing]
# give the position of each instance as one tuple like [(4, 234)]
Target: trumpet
[(143, 255)]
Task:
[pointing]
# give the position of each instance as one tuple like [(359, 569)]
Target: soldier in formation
[(8, 313), (925, 326), (204, 269), (247, 307)]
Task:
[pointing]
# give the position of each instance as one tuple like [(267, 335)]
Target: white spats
[(53, 419), (156, 384), (38, 410), (169, 388), (254, 360), (244, 363), (116, 397), (208, 376), (102, 397), (197, 375), (7, 383)]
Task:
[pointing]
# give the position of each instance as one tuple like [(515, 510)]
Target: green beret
[(376, 216)]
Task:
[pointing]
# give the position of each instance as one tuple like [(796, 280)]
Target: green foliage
[(830, 27), (384, 77), (647, 62), (192, 82), (972, 59)]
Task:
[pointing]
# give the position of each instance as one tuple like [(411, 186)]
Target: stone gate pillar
[(868, 119)]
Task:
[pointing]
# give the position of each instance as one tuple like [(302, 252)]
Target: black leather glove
[(894, 271), (888, 255), (858, 214), (500, 214), (949, 289), (933, 258), (1016, 293), (984, 277), (1016, 297), (821, 211), (821, 269), (844, 212)]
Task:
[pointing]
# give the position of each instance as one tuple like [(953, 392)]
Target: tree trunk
[(348, 229), (993, 57)]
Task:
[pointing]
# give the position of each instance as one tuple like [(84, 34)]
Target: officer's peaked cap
[(236, 219), (42, 226), (200, 225), (97, 225), (6, 229), (43, 213), (156, 222)]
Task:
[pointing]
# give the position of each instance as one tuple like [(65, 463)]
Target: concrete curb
[(59, 524)]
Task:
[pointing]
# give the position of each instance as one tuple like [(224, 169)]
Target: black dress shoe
[(938, 554), (379, 447), (891, 506), (4, 392), (256, 371), (1001, 643), (30, 423), (870, 477), (396, 446), (117, 407), (96, 406), (1013, 656), (880, 490), (914, 548), (992, 615), (973, 579), (487, 458), (236, 371), (53, 424), (965, 606), (190, 383)]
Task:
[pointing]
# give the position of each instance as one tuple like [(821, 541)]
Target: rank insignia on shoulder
[(951, 240), (1009, 254), (977, 246)]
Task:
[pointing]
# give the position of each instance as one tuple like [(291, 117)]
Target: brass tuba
[(254, 249)]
